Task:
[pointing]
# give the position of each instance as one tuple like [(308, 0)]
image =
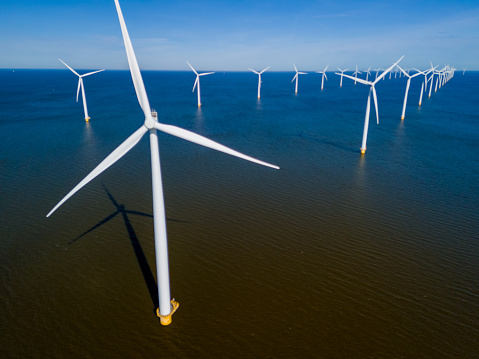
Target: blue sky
[(234, 35)]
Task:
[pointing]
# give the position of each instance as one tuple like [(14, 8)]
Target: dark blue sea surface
[(336, 255)]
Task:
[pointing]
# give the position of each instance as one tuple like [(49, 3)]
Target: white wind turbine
[(409, 77), (166, 306), (80, 85), (373, 90), (259, 79), (197, 82), (342, 74), (433, 72), (424, 84), (355, 73), (324, 76), (296, 77), (368, 73)]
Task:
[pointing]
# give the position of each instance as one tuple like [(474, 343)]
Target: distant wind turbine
[(259, 79), (433, 72), (324, 76), (355, 73), (342, 74), (197, 82), (368, 73), (373, 90), (424, 84), (296, 77), (80, 85), (166, 306), (409, 77)]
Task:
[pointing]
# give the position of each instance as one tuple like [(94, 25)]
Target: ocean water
[(336, 255)]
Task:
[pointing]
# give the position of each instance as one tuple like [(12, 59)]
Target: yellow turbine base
[(419, 104), (363, 151), (166, 319), (87, 119), (199, 105), (402, 118)]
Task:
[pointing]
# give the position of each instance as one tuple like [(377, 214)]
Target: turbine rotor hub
[(149, 123)]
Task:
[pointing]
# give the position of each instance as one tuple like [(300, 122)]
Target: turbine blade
[(206, 73), (326, 68), (264, 70), (389, 69), (118, 153), (196, 82), (79, 84), (203, 141), (402, 70), (357, 79), (295, 68), (134, 69), (324, 73), (294, 78), (256, 72), (91, 73), (375, 103), (76, 73), (192, 68)]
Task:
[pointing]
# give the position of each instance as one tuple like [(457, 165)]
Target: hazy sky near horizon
[(234, 35)]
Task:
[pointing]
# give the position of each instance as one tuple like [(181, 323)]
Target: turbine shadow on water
[(140, 255), (326, 142)]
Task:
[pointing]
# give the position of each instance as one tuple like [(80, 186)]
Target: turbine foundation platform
[(363, 151), (166, 319), (87, 119)]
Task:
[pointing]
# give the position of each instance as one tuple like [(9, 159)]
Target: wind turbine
[(80, 84), (324, 76), (259, 79), (342, 71), (373, 90), (433, 72), (424, 84), (296, 77), (409, 77), (166, 306), (197, 82), (368, 73), (355, 73)]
